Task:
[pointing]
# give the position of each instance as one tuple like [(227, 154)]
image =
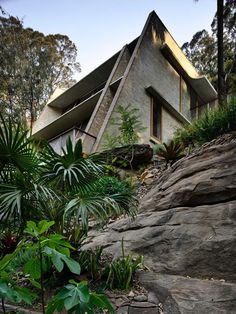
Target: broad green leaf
[(6, 260), (44, 225), (3, 288), (6, 292), (101, 301), (32, 228), (35, 283), (56, 304), (57, 257), (73, 266), (57, 261), (83, 292), (72, 300), (32, 267), (24, 294)]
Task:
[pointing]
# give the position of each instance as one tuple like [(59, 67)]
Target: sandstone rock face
[(129, 156), (186, 228)]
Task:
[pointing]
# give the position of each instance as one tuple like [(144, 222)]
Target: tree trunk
[(220, 47)]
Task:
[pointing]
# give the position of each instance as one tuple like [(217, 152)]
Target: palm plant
[(77, 178), (20, 190), (67, 171), (37, 183), (74, 176)]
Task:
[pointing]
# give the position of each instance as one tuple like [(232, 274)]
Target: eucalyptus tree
[(213, 53), (33, 65)]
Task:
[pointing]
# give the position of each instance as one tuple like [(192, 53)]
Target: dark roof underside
[(90, 82)]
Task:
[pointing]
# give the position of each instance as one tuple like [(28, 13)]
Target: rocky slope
[(186, 230)]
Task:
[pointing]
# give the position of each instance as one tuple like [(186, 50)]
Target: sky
[(100, 28)]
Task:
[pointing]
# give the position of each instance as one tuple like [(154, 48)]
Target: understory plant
[(128, 124), (48, 248), (90, 262), (122, 191), (210, 125), (120, 272), (170, 151), (76, 298), (11, 291), (36, 183)]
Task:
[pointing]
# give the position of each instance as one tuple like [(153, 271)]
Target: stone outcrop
[(186, 230), (130, 156)]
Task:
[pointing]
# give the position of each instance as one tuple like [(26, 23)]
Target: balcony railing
[(58, 142)]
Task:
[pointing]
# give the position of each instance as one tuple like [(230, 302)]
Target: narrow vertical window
[(156, 119)]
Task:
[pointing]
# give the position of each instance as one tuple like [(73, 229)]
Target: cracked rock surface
[(186, 231)]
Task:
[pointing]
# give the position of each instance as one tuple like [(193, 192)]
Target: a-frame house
[(151, 74)]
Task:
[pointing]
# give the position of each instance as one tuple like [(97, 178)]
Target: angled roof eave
[(70, 118), (96, 77)]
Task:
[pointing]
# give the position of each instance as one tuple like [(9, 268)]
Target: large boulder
[(186, 228), (130, 156)]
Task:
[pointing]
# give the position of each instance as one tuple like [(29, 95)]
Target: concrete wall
[(60, 142), (122, 65), (104, 102), (169, 125), (185, 100), (47, 116), (149, 68)]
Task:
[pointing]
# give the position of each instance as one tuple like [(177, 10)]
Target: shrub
[(90, 261), (121, 191), (171, 151), (42, 245), (120, 273), (76, 298), (210, 125), (129, 125)]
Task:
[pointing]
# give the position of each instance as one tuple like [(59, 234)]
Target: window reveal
[(156, 122)]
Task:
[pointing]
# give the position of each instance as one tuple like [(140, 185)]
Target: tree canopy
[(202, 49), (33, 65)]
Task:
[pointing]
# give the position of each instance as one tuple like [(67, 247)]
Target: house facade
[(151, 74)]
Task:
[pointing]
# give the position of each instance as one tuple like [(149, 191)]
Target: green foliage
[(45, 248), (209, 126), (21, 192), (170, 151), (16, 148), (120, 272), (202, 49), (36, 183), (128, 123), (33, 65), (10, 291), (53, 247), (70, 170), (121, 191), (90, 262), (76, 298), (9, 288), (93, 205)]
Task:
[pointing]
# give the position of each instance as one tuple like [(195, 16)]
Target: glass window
[(156, 119)]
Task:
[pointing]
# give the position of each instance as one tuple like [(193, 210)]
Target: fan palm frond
[(71, 169), (85, 206), (16, 148)]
